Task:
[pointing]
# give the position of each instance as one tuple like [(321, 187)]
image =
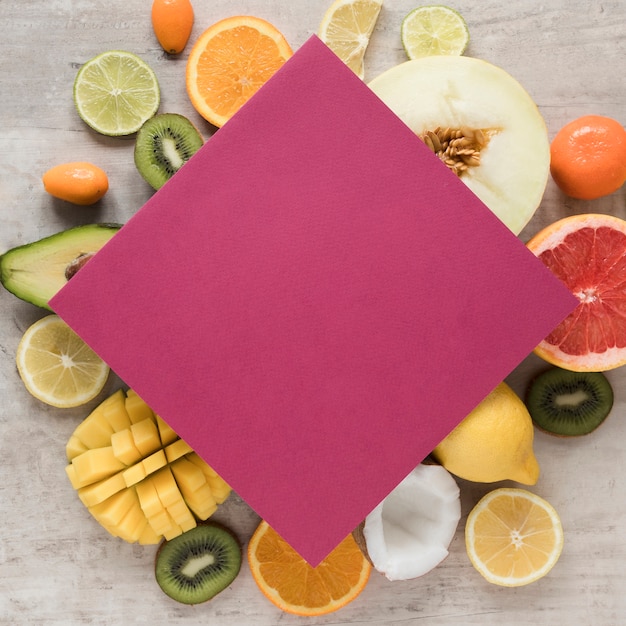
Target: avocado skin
[(34, 272)]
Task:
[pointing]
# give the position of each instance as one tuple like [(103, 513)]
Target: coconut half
[(497, 139), (409, 532)]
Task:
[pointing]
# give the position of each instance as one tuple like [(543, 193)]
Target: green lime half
[(432, 30), (116, 92)]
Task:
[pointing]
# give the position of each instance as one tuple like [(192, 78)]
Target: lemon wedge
[(346, 29)]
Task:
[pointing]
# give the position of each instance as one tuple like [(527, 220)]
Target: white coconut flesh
[(459, 92), (410, 531)]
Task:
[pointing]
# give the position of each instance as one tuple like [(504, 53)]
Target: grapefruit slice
[(588, 253)]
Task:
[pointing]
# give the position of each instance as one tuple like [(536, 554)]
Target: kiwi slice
[(568, 403), (164, 144), (195, 566)]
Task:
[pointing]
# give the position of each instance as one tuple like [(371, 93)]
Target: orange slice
[(293, 585), (588, 253), (229, 62)]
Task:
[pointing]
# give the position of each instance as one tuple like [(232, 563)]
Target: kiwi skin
[(569, 404), (170, 560), (163, 145)]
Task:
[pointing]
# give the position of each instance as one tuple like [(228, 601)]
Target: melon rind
[(457, 91)]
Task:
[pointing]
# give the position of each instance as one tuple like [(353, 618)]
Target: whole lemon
[(494, 442)]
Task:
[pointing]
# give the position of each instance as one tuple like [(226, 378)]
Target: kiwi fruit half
[(568, 403), (195, 566), (164, 144)]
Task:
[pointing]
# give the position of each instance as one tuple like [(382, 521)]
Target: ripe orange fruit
[(293, 585), (172, 21), (78, 182), (229, 62), (588, 157), (588, 253)]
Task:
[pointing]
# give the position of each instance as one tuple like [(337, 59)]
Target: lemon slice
[(57, 366), (432, 30), (116, 92), (513, 537), (346, 29)]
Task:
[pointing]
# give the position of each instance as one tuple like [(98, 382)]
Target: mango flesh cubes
[(136, 476)]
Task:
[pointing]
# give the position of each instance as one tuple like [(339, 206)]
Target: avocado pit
[(77, 264)]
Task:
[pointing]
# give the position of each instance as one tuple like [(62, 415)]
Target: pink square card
[(314, 301)]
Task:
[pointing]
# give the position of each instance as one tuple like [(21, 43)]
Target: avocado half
[(34, 272)]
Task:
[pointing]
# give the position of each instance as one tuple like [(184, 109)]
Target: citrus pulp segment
[(229, 62), (57, 366), (435, 29), (513, 537), (116, 92), (346, 29), (290, 583), (588, 254)]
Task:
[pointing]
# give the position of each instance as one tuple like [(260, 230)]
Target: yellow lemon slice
[(346, 29), (57, 366), (513, 537)]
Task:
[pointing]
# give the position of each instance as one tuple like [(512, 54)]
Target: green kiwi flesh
[(164, 144), (569, 404), (195, 566)]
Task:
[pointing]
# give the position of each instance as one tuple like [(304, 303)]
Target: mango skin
[(78, 182)]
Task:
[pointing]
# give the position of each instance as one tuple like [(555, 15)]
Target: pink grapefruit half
[(588, 253)]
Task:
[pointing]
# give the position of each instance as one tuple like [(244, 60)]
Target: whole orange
[(588, 157), (172, 21), (78, 182)]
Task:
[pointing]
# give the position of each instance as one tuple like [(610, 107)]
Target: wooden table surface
[(57, 565)]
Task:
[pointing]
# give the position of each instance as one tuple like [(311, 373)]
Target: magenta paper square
[(314, 301)]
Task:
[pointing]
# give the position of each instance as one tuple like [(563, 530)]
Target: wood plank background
[(57, 565)]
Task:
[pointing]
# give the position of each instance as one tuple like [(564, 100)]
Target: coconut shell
[(359, 537)]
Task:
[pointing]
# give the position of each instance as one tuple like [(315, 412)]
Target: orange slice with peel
[(288, 581), (588, 253), (229, 62)]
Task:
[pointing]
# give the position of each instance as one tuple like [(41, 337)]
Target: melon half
[(500, 146)]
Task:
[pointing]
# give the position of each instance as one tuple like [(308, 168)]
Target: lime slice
[(57, 366), (432, 30), (116, 92)]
